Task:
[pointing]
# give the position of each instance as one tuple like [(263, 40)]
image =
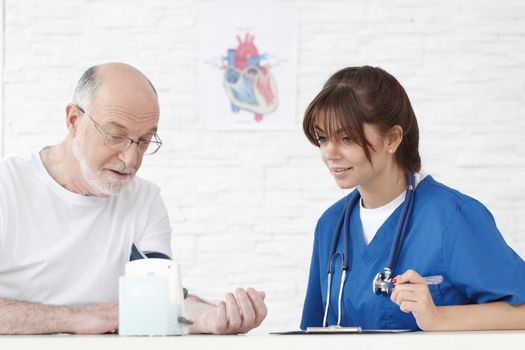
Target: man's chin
[(111, 188)]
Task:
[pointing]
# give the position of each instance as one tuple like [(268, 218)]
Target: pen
[(437, 279), (431, 280)]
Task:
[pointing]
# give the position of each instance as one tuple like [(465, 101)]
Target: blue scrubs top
[(449, 234)]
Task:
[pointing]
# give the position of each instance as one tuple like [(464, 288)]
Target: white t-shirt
[(372, 219), (61, 248)]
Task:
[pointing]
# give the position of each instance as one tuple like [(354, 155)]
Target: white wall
[(243, 205), (2, 119)]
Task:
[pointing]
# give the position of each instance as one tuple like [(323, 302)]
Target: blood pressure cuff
[(136, 254)]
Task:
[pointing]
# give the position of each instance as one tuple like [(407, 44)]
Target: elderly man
[(71, 214)]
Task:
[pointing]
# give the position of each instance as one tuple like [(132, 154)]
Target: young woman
[(412, 252)]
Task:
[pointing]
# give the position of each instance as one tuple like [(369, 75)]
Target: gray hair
[(87, 86)]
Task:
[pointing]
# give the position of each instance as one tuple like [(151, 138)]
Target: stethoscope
[(381, 282)]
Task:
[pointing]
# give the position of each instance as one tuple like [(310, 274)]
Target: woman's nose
[(330, 150)]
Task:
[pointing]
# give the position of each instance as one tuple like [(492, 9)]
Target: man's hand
[(96, 319), (239, 313)]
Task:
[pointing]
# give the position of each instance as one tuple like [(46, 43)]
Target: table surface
[(418, 340)]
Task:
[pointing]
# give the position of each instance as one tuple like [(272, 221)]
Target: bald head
[(115, 103), (112, 76)]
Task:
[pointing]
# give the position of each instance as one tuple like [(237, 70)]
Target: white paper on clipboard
[(340, 330)]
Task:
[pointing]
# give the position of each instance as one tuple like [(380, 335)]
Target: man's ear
[(394, 138), (72, 119)]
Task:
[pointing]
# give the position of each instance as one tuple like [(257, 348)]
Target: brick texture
[(243, 205)]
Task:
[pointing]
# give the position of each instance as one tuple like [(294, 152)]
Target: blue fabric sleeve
[(313, 304), (479, 261)]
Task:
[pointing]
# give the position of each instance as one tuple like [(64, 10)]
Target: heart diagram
[(249, 85)]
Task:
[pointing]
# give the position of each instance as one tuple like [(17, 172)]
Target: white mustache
[(121, 168)]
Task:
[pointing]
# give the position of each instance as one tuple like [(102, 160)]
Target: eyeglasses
[(121, 143)]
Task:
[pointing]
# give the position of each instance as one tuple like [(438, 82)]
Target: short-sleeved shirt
[(449, 234), (61, 248)]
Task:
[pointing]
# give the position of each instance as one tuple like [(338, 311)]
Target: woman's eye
[(321, 139), (347, 139)]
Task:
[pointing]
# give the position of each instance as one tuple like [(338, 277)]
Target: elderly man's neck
[(63, 167)]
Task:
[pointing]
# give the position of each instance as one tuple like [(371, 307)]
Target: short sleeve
[(313, 304), (479, 261), (157, 232), (3, 214)]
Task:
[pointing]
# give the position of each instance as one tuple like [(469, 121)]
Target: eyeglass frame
[(131, 141)]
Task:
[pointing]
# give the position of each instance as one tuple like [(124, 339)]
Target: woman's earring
[(390, 150)]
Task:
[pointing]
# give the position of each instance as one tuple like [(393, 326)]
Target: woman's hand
[(411, 293)]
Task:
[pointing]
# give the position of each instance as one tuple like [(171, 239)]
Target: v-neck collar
[(381, 241), (384, 236), (365, 255)]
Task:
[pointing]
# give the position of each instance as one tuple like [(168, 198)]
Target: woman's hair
[(357, 95)]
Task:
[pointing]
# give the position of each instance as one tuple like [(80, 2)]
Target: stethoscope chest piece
[(380, 284)]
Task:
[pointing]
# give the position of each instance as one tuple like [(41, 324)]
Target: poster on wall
[(247, 65)]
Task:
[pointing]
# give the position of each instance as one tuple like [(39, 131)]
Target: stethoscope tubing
[(343, 225), (402, 225)]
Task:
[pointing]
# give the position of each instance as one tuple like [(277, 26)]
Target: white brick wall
[(244, 205)]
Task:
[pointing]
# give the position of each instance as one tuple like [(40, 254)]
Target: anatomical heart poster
[(247, 65)]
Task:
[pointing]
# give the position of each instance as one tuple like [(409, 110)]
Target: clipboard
[(341, 330)]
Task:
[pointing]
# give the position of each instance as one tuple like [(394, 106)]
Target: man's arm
[(18, 317), (239, 313)]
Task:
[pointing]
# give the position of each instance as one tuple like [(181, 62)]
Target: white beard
[(102, 183)]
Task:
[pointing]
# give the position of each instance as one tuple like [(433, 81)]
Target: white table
[(417, 340)]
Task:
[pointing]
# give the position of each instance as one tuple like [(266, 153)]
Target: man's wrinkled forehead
[(124, 99), (128, 120), (136, 104)]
